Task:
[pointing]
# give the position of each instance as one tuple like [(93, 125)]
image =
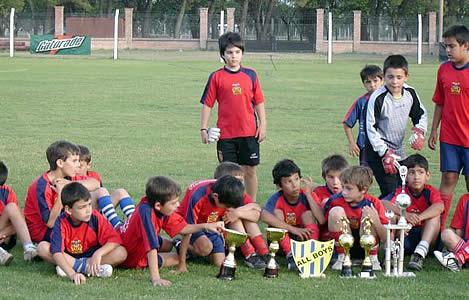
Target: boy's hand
[(413, 219), (78, 278), (213, 134), (93, 264), (417, 139), (433, 139), (231, 215), (353, 149), (260, 133), (302, 233), (308, 181), (160, 282), (217, 227), (389, 160), (204, 136)]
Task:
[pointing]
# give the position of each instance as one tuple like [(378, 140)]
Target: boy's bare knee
[(446, 235), (12, 209), (203, 247), (43, 250), (101, 192), (336, 213), (120, 193), (120, 254)]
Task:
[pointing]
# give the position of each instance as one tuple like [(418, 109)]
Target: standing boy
[(452, 109), (241, 113), (386, 121), (372, 79)]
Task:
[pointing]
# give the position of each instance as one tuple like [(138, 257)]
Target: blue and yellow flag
[(312, 257)]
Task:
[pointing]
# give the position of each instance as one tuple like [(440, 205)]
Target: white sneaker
[(60, 272), (104, 271), (339, 262), (5, 257), (448, 260), (30, 252), (375, 262)]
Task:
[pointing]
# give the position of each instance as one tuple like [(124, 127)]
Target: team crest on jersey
[(76, 246), (455, 88), (213, 217), (291, 218), (354, 223), (236, 89)]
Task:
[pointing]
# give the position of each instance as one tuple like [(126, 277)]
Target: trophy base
[(226, 273), (346, 272), (270, 273)]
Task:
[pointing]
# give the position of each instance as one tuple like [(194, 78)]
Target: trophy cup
[(367, 241), (233, 239), (346, 241), (274, 235)]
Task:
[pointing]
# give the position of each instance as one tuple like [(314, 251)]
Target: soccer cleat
[(448, 260), (60, 272), (104, 271), (339, 262), (254, 261), (30, 252), (375, 262), (416, 262), (5, 257), (291, 263)]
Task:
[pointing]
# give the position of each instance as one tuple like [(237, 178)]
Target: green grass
[(140, 117)]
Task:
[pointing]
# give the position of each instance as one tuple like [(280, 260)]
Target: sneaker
[(416, 262), (60, 272), (375, 262), (30, 252), (254, 261), (339, 262), (5, 257), (104, 271), (177, 244), (448, 260), (291, 263)]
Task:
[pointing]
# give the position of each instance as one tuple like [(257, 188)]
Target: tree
[(5, 9), (179, 19)]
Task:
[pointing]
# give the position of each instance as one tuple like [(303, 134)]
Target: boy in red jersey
[(331, 167), (293, 208), (355, 204), (457, 239), (141, 233), (423, 213), (256, 242), (372, 79), (451, 100), (241, 113), (82, 241), (12, 223)]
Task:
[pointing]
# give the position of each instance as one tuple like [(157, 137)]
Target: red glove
[(417, 139), (389, 160)]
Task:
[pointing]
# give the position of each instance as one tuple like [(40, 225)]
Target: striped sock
[(80, 265), (422, 248), (107, 209), (127, 206)]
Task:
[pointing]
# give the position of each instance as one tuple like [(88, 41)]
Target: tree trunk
[(147, 19), (213, 25), (259, 22), (33, 16), (177, 29), (244, 17), (48, 21), (268, 20), (109, 7), (100, 8)]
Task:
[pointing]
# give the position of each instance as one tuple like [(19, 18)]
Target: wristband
[(203, 129)]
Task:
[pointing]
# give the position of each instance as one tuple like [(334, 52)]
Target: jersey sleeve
[(271, 203), (352, 115), (418, 113), (57, 241), (193, 211), (459, 213), (435, 196), (246, 199), (106, 234), (374, 137), (173, 224), (150, 233), (210, 92), (258, 96), (438, 96)]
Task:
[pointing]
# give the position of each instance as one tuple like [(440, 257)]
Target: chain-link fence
[(403, 29), (163, 26), (342, 27), (27, 24)]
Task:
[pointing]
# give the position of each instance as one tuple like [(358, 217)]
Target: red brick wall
[(96, 27)]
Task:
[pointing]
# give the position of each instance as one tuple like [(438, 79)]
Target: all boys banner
[(312, 257), (61, 44)]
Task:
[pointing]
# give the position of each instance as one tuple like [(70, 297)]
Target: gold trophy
[(274, 235), (367, 241), (346, 241), (233, 239)]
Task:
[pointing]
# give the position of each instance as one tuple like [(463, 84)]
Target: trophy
[(403, 200), (367, 241), (346, 241), (233, 239), (274, 235)]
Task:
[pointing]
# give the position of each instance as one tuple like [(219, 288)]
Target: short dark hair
[(85, 153), (334, 162), (360, 176), (230, 39), (459, 32), (396, 62), (3, 173), (60, 150), (284, 168), (74, 192), (416, 160), (228, 168), (161, 189), (371, 71), (230, 190)]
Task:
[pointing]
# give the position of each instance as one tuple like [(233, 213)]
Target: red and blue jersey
[(291, 211), (323, 193), (452, 92), (354, 213), (184, 204), (237, 94), (357, 112), (7, 195), (96, 176), (461, 216), (81, 240), (140, 232)]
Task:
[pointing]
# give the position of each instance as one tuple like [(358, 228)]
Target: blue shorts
[(412, 239), (454, 158), (216, 239)]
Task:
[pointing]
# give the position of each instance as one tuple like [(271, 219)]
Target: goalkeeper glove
[(389, 162), (213, 134), (417, 139)]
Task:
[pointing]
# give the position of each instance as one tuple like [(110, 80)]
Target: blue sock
[(80, 265), (127, 206), (107, 209)]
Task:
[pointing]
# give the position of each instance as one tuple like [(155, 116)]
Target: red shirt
[(354, 213), (323, 193), (84, 239), (7, 195), (460, 218), (96, 176), (184, 204), (237, 94), (140, 232), (452, 91)]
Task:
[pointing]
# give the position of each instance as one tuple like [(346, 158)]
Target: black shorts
[(242, 150), (10, 244)]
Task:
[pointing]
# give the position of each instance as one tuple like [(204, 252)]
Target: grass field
[(140, 117)]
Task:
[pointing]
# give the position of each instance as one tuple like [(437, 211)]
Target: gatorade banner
[(312, 257), (61, 44)]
